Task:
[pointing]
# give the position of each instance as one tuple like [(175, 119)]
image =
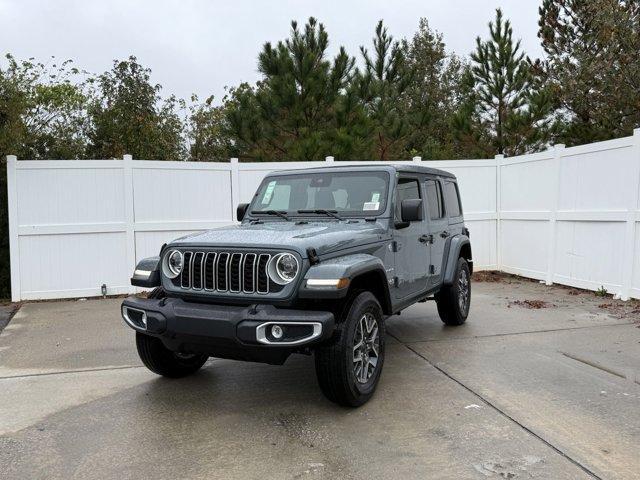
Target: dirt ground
[(551, 296), (541, 382)]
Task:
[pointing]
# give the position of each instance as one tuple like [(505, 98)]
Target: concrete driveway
[(518, 392)]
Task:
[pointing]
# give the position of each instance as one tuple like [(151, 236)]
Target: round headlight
[(283, 268), (173, 263)]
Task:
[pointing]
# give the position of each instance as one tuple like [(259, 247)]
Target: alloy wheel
[(463, 290), (366, 348)]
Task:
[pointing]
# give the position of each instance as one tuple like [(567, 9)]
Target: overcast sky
[(198, 46)]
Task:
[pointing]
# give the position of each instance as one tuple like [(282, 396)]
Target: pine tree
[(382, 87), (432, 95), (298, 110), (591, 62), (504, 89), (471, 134)]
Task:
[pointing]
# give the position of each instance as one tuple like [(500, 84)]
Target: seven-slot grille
[(233, 272)]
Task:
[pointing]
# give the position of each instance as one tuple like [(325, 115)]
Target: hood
[(325, 237)]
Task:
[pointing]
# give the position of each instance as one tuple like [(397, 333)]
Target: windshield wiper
[(331, 213), (271, 212)]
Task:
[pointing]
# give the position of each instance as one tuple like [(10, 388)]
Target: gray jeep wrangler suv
[(321, 257)]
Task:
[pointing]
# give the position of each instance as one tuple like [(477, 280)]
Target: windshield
[(346, 193)]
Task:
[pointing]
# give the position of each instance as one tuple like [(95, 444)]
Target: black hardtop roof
[(370, 167)]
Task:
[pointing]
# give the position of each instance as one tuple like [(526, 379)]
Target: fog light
[(277, 332), (134, 317)]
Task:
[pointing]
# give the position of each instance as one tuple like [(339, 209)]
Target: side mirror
[(411, 210), (241, 211)]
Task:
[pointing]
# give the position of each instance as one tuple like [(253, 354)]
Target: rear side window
[(452, 199), (408, 189), (434, 200)]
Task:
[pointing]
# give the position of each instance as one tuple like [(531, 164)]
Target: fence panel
[(570, 216)]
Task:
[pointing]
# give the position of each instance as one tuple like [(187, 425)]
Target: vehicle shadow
[(227, 386)]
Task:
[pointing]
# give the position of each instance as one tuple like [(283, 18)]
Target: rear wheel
[(454, 300), (159, 359), (349, 368)]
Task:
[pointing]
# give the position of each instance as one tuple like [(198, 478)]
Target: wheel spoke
[(373, 361), (356, 356), (374, 335), (358, 370), (374, 347), (365, 370), (370, 323)]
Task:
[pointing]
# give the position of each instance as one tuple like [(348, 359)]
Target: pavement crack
[(63, 372), (487, 402), (597, 366)]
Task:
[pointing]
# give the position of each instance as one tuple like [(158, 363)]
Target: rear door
[(438, 228), (453, 206), (411, 256)]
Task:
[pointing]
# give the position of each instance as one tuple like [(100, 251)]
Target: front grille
[(232, 272)]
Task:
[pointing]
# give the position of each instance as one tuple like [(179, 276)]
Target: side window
[(407, 189), (452, 199), (434, 199)]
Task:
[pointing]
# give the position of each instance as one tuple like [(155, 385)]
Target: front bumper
[(226, 331)]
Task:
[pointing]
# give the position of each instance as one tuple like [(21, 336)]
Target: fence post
[(553, 214), (130, 216), (417, 159), (630, 230), (12, 207), (235, 188), (499, 158), (329, 159)]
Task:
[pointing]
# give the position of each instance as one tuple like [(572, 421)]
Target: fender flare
[(147, 273), (452, 253), (348, 266)]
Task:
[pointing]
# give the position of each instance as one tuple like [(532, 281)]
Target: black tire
[(159, 359), (335, 365), (453, 304)]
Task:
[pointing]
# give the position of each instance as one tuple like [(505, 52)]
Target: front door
[(438, 225), (412, 253)]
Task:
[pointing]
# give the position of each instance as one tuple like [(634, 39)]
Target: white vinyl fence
[(568, 216)]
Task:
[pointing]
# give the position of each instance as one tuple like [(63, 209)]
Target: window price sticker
[(268, 192)]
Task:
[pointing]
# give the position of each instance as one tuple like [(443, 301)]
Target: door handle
[(426, 239), (444, 234)]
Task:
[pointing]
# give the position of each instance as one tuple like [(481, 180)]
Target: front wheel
[(348, 369), (454, 300), (159, 359)]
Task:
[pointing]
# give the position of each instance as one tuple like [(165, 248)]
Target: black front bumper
[(226, 331)]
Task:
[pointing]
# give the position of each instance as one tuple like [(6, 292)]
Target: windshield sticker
[(375, 197), (371, 206), (268, 192)]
